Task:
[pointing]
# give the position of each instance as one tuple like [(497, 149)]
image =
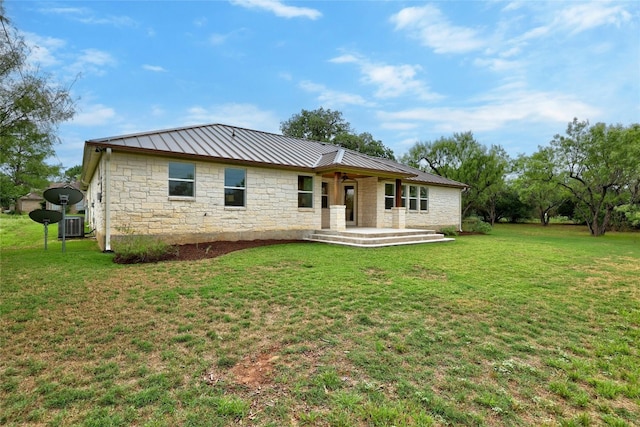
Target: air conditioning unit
[(74, 227)]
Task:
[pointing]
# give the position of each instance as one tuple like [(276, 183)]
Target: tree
[(600, 167), (364, 143), (72, 174), (317, 125), (463, 159), (538, 184), (329, 126), (31, 107)]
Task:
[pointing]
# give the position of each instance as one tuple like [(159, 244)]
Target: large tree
[(537, 183), (464, 159), (31, 108), (600, 166), (329, 126)]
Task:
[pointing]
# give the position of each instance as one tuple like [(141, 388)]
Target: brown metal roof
[(230, 143)]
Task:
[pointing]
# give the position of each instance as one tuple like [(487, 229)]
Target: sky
[(515, 73)]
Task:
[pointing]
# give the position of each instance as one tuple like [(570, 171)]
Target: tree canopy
[(31, 107), (600, 166), (464, 159), (329, 126)]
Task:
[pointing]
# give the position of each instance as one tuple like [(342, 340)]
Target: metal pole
[(46, 229)]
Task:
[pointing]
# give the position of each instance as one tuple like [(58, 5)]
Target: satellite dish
[(45, 216), (63, 195)]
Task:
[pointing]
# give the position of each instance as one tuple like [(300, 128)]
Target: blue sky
[(514, 73)]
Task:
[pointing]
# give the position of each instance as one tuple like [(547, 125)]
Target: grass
[(528, 325)]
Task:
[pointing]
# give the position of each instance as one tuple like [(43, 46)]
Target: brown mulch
[(197, 251)]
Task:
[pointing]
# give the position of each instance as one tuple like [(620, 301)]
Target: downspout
[(107, 203)]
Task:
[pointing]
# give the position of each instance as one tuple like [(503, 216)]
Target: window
[(417, 198), (181, 179), (413, 197), (234, 187), (424, 198), (325, 195), (305, 191), (389, 196)]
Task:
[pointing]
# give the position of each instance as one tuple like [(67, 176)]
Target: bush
[(449, 231), (135, 249), (476, 225)]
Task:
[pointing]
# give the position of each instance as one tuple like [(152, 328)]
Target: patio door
[(350, 204)]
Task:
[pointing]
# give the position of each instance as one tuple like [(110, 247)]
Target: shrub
[(135, 249), (449, 231), (476, 225)]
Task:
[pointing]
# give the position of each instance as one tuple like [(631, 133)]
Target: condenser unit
[(74, 227)]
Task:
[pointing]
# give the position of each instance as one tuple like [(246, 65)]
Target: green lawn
[(526, 326)]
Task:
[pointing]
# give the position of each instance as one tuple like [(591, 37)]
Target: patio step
[(372, 238)]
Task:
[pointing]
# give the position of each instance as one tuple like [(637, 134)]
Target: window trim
[(228, 187), (391, 197), (418, 198), (302, 192), (170, 179)]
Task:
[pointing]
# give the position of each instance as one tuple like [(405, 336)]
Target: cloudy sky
[(514, 73)]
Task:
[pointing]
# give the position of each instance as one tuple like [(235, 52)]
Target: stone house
[(218, 182)]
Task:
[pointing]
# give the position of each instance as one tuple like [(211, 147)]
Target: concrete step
[(377, 239)]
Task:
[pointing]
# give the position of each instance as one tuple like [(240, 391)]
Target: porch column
[(399, 218), (337, 219), (336, 188), (398, 193)]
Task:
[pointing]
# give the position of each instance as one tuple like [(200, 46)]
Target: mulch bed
[(197, 251)]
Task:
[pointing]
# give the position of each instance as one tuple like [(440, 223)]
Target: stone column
[(399, 218), (337, 221)]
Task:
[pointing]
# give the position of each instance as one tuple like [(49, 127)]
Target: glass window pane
[(305, 200), (305, 183), (413, 204), (233, 197), (388, 203), (424, 204), (234, 177), (389, 190), (413, 191), (424, 192), (181, 188), (325, 188), (181, 170)]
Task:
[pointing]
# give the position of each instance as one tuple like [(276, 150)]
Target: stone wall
[(444, 210), (140, 203)]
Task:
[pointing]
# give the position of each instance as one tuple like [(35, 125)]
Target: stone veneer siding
[(444, 209), (140, 203)]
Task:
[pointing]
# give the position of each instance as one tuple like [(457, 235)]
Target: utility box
[(74, 227)]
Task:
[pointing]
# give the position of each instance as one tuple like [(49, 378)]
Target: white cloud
[(332, 98), (504, 107), (585, 16), (154, 68), (94, 115), (86, 16), (392, 81), (429, 25), (92, 61), (43, 49), (279, 9), (243, 115)]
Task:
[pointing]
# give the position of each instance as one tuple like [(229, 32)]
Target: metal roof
[(235, 144)]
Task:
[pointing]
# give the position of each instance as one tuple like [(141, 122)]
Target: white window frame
[(388, 197), (235, 188), (305, 192), (191, 180)]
